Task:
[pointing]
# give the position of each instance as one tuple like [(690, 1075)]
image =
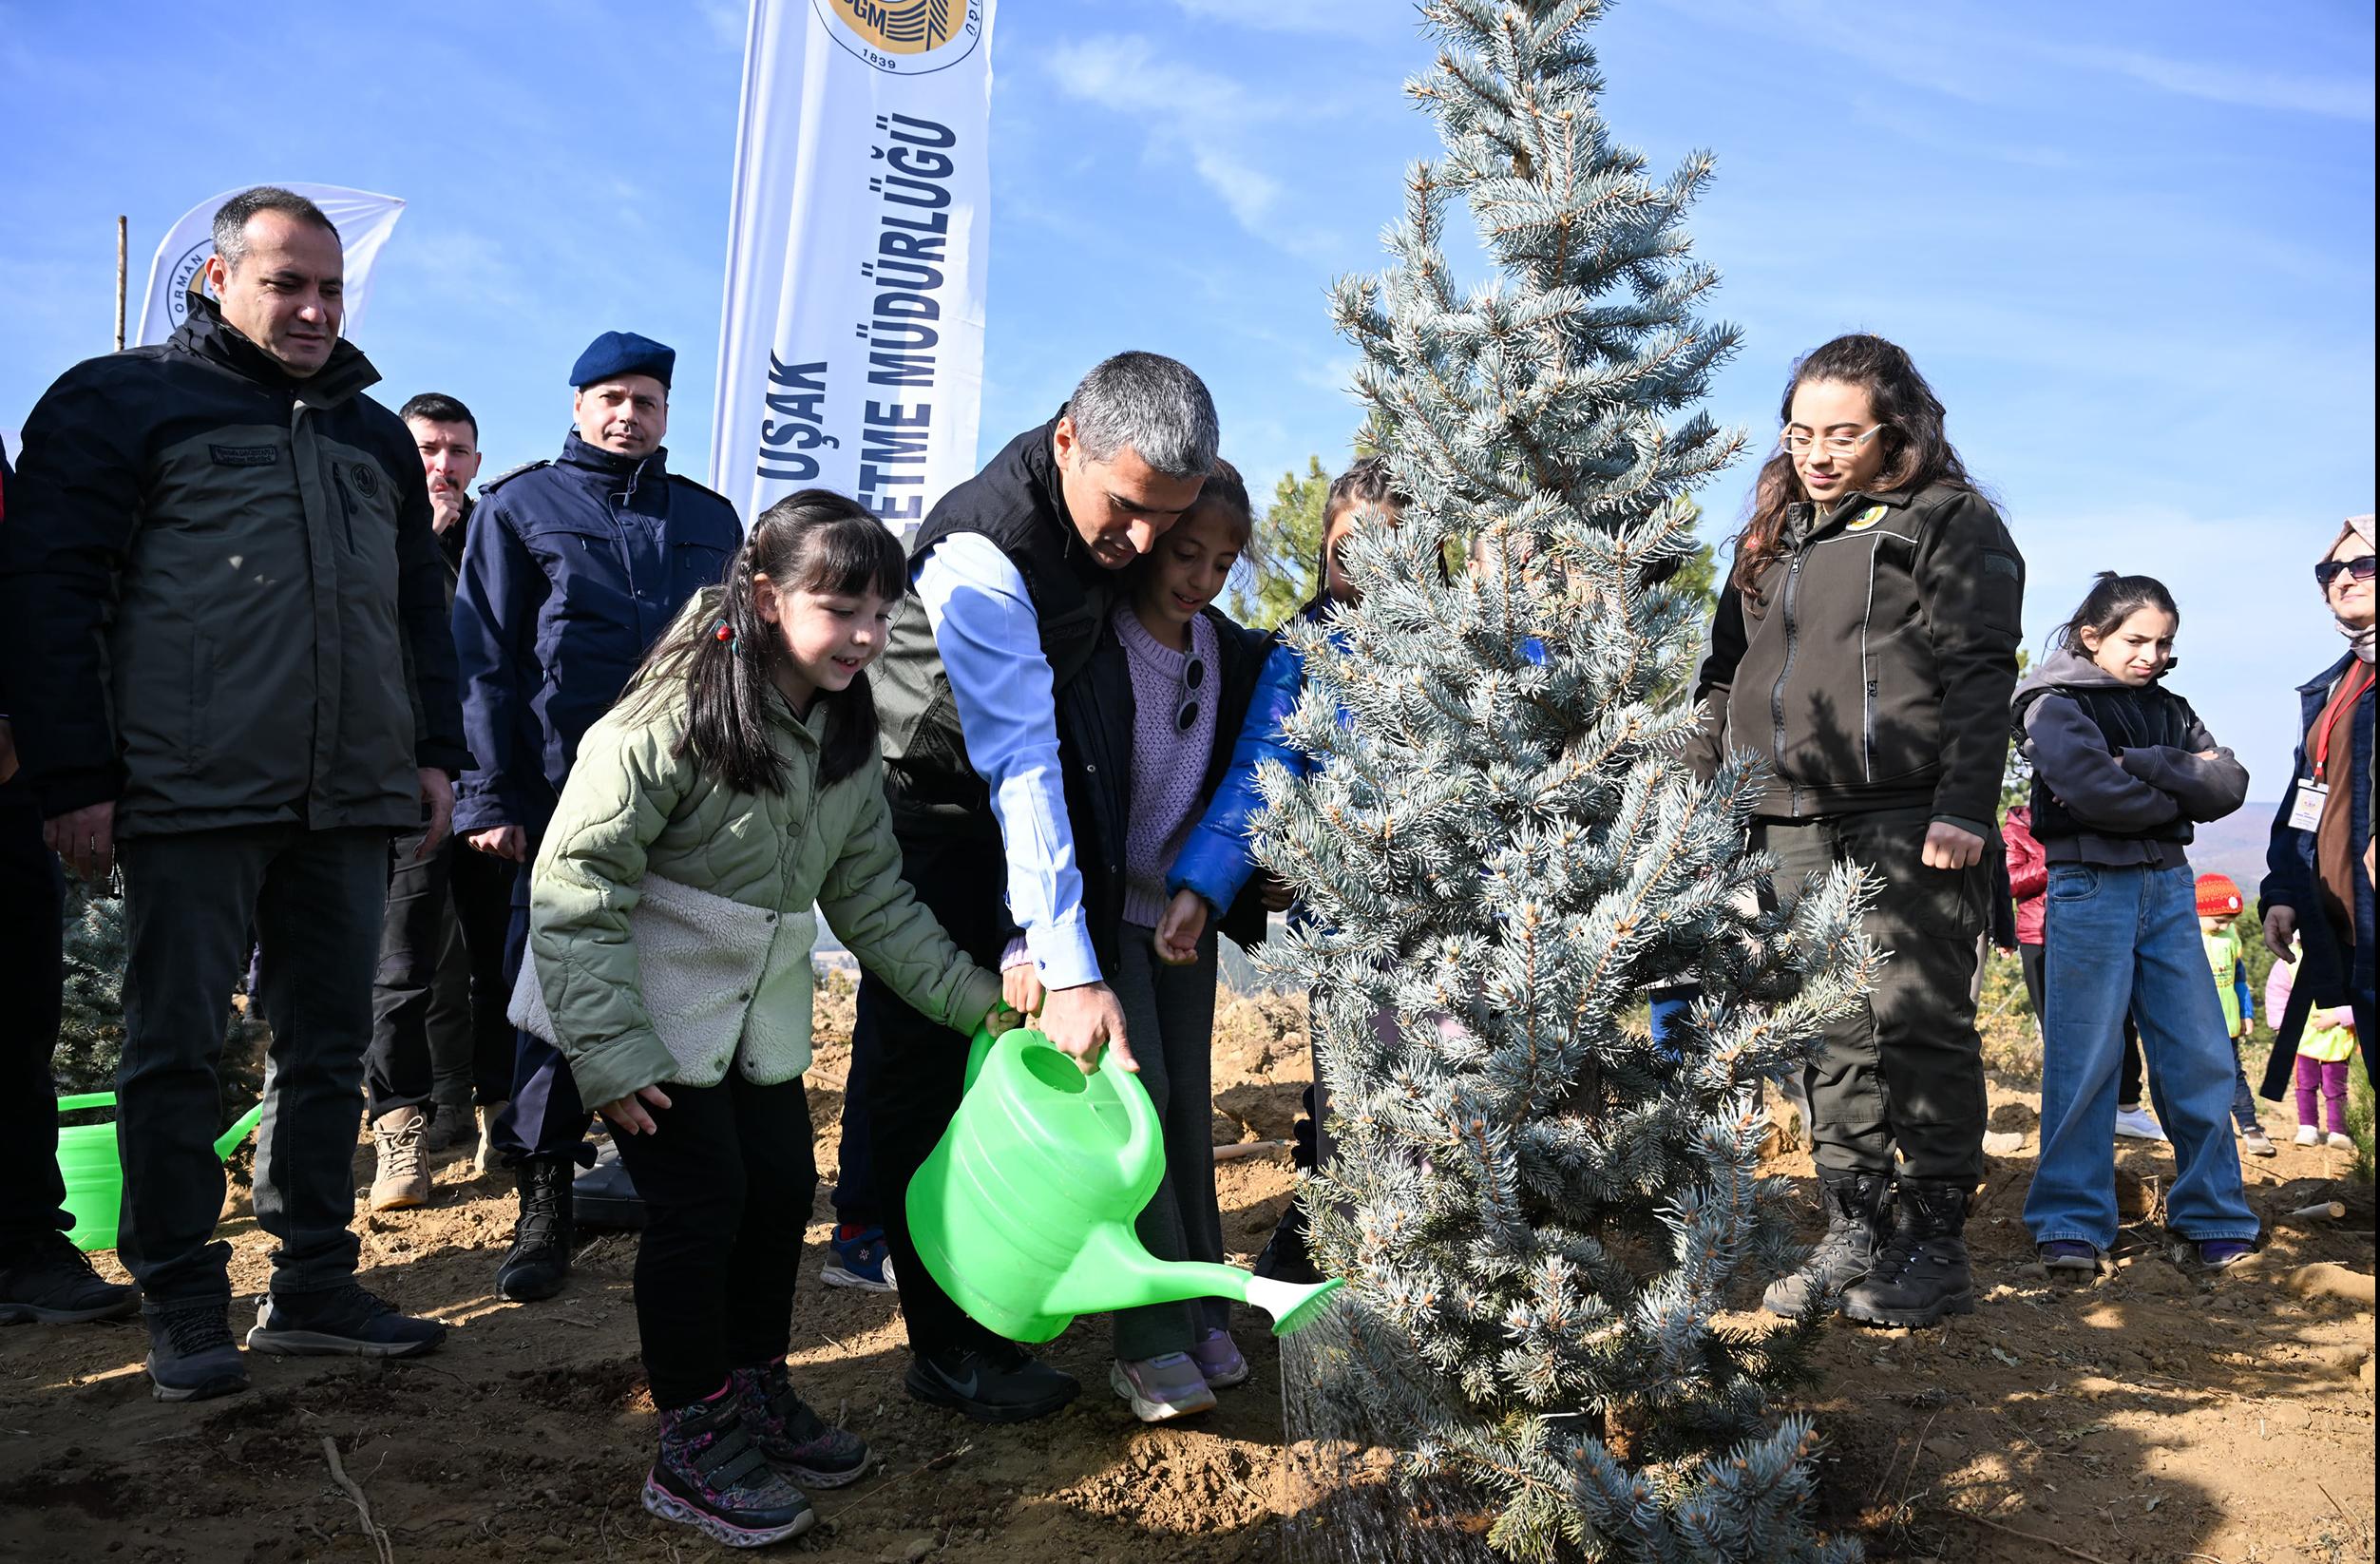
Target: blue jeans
[(2118, 938)]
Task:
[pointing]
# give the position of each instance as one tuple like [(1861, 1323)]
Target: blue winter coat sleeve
[(1216, 861), (495, 629)]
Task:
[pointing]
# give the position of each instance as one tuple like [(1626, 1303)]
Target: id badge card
[(2312, 796)]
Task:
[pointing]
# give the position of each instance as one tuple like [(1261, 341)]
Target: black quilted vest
[(2128, 719)]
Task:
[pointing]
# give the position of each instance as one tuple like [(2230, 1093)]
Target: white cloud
[(1194, 116), (2332, 97), (727, 20), (1932, 48)]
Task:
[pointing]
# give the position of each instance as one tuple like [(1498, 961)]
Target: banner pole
[(122, 281)]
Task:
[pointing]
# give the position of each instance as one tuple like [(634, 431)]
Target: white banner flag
[(851, 345), (364, 221)]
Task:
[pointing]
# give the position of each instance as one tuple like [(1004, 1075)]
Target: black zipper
[(1777, 697)]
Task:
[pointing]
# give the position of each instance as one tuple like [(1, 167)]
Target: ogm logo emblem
[(188, 272), (905, 37)]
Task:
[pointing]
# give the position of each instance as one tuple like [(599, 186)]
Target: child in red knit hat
[(2219, 904)]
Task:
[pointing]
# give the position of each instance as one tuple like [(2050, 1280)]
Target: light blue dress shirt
[(990, 641)]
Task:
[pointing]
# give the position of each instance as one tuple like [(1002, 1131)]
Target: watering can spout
[(1024, 1211), (1113, 1272), (229, 1140)]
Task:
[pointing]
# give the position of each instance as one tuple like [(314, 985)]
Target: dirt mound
[(2153, 1418)]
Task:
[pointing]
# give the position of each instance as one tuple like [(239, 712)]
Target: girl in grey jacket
[(2122, 768)]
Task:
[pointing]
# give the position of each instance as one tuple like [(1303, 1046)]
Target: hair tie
[(721, 632)]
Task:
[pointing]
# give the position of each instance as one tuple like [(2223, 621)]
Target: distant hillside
[(2235, 845)]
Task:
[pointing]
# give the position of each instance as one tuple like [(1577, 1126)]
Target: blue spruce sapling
[(1540, 1209)]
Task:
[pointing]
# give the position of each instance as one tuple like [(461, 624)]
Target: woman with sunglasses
[(1862, 657), (1191, 670), (2318, 880)]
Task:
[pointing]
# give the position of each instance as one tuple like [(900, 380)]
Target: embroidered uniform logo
[(367, 479), (904, 37), (243, 456), (1868, 518)]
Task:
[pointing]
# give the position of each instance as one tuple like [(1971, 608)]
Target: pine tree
[(1284, 551), (90, 1029), (1541, 1211)]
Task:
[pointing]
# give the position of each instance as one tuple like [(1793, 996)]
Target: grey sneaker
[(1162, 1387)]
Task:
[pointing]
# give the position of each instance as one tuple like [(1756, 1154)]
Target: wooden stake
[(122, 280)]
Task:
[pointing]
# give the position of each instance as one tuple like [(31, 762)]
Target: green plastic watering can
[(1024, 1212), (94, 1173)]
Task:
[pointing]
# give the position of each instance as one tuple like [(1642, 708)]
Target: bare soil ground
[(2153, 1418)]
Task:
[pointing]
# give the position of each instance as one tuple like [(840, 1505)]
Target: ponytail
[(816, 541)]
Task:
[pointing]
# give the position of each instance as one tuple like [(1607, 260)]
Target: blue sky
[(2130, 243)]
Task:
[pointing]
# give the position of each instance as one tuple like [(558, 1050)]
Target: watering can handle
[(1142, 1141)]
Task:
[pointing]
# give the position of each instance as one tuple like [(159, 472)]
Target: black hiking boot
[(1288, 1255), (539, 1261), (711, 1476), (1856, 1227), (50, 1281), (1920, 1274), (192, 1356)]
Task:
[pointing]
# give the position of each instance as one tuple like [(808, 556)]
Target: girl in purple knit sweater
[(1190, 667)]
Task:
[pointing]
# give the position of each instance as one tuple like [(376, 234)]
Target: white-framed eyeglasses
[(1796, 440)]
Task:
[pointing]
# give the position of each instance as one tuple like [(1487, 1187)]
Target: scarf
[(2359, 637)]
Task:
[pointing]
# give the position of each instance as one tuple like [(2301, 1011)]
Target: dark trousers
[(546, 1117), (33, 892), (429, 898), (1904, 1070), (727, 1177), (315, 899), (918, 1068), (855, 1161), (1169, 1016)]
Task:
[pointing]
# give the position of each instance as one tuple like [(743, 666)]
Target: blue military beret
[(615, 353)]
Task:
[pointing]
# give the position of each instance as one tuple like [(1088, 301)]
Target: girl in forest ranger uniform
[(1863, 656)]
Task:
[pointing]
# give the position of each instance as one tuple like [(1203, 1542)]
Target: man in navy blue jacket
[(571, 571)]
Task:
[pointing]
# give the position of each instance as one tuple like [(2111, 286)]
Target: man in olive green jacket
[(230, 661)]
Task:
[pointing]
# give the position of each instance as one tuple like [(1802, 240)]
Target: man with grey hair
[(1006, 712), (231, 678)]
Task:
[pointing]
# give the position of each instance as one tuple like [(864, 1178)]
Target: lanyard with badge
[(2314, 792)]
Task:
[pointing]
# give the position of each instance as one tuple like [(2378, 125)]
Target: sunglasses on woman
[(2327, 571)]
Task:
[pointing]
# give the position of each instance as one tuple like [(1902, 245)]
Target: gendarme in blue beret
[(615, 353)]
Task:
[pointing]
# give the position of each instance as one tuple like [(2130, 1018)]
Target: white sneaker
[(2309, 1135), (2340, 1143), (2137, 1124)]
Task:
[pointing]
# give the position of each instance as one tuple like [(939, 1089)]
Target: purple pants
[(2330, 1077)]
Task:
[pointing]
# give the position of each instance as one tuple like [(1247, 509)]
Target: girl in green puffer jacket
[(736, 785)]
